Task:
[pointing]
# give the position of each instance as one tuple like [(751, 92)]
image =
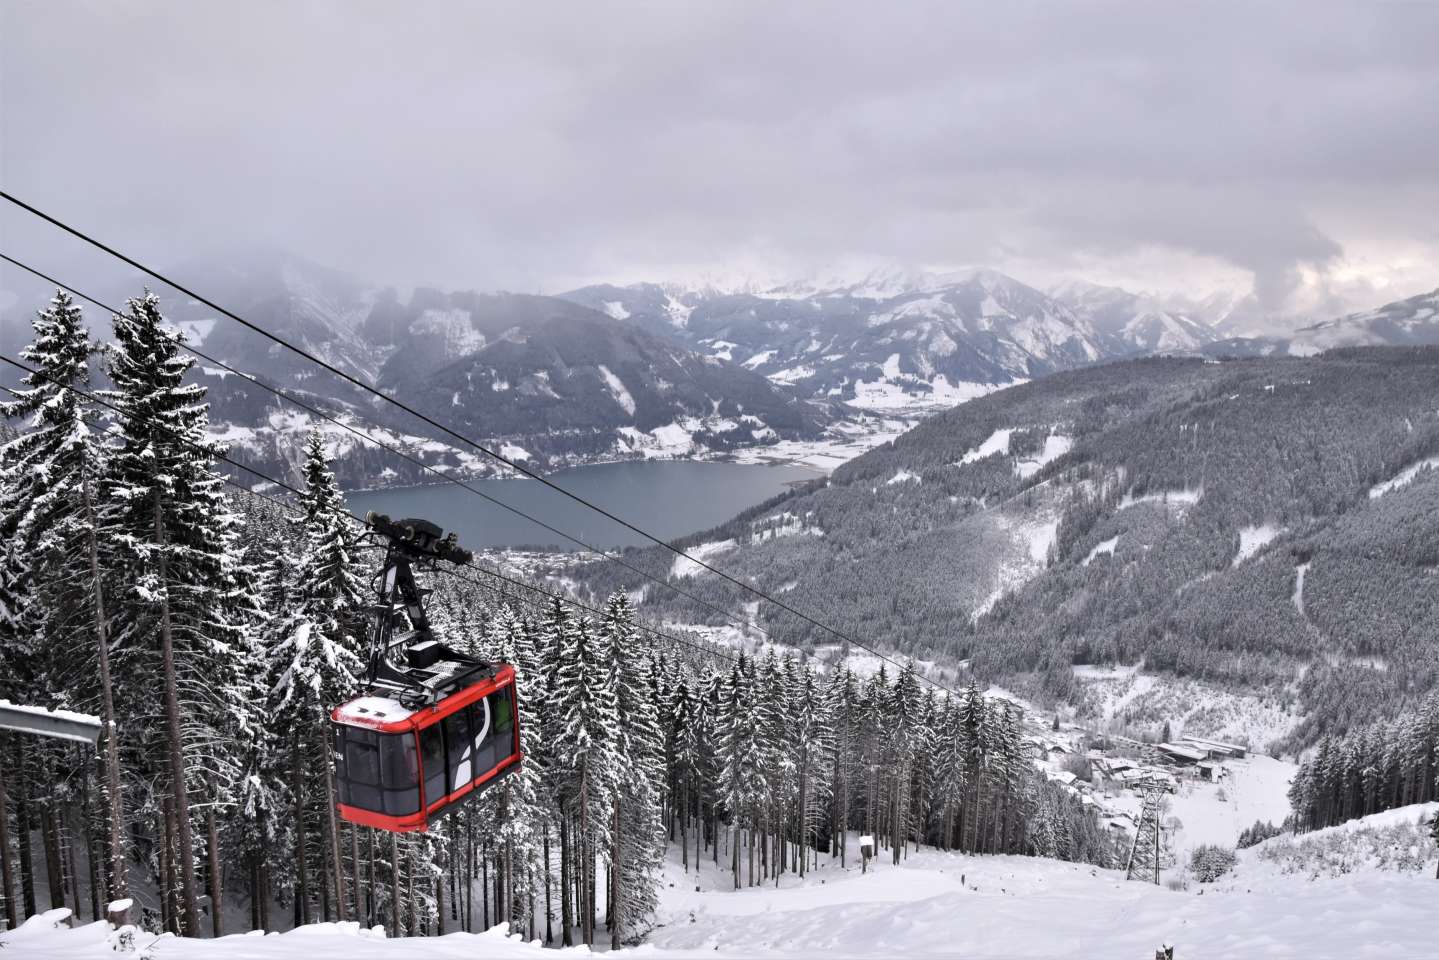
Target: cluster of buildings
[(1146, 765)]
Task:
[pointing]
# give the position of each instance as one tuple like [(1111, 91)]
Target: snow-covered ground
[(844, 442), (1215, 813), (1130, 701), (933, 904)]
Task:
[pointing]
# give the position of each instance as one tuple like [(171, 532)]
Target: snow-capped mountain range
[(905, 342), (1411, 322), (648, 369)]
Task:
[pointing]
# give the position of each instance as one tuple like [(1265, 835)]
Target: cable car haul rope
[(435, 726)]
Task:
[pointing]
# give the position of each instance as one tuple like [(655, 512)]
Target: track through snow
[(1005, 907)]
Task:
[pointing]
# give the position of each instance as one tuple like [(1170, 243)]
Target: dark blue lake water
[(669, 498)]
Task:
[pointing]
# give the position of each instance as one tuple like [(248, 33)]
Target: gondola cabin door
[(399, 768)]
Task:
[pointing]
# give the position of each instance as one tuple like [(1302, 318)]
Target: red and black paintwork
[(431, 808)]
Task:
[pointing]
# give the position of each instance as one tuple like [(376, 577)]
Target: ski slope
[(934, 904)]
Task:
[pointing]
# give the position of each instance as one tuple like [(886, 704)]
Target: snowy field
[(934, 904)]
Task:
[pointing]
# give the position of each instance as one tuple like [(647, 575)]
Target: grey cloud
[(530, 148)]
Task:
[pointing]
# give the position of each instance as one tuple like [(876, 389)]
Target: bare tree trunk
[(23, 827), (265, 896), (119, 886), (469, 905), (212, 851), (440, 904), (734, 850), (168, 920), (50, 843), (372, 886), (335, 863), (354, 832), (612, 904), (7, 875), (565, 937), (412, 925), (549, 926), (87, 820), (67, 845), (185, 853), (586, 864), (356, 910), (302, 872), (395, 883)]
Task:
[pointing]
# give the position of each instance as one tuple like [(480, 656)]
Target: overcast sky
[(1172, 147)]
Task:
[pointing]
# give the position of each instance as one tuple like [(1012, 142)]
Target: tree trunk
[(412, 907), (336, 864), (67, 846), (168, 920), (185, 853), (302, 872), (395, 883), (372, 883), (265, 894), (50, 843), (734, 851), (586, 865), (549, 928), (217, 869), (7, 875), (613, 903), (119, 886), (354, 831), (87, 821), (565, 937)]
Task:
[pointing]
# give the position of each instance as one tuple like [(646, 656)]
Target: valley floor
[(933, 904)]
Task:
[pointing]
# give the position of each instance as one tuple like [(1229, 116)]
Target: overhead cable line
[(399, 404), (410, 458), (453, 571)]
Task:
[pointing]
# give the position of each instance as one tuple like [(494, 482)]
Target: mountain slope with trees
[(1264, 523)]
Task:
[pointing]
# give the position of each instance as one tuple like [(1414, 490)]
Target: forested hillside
[(213, 630), (1267, 523)]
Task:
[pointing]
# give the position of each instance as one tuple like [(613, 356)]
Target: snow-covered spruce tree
[(637, 848), (740, 761), (903, 709), (172, 530), (811, 745), (840, 700), (515, 812), (314, 663), (259, 830), (53, 615), (586, 764)]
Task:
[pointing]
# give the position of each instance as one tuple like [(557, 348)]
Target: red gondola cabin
[(435, 726), (398, 767)]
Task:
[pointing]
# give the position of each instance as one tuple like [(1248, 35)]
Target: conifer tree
[(172, 530)]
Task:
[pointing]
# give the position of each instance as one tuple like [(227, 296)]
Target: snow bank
[(1105, 548), (903, 476), (617, 389), (1055, 446), (685, 567), (1175, 499), (1403, 478), (998, 442), (1254, 539)]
